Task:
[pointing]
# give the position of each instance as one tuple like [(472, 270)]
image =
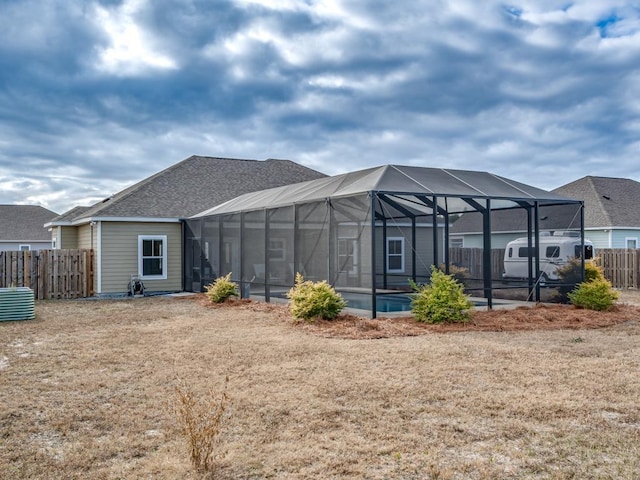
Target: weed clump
[(221, 289), (441, 301), (200, 422), (311, 300)]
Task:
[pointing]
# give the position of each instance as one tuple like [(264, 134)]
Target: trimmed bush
[(311, 300), (221, 289), (594, 295), (571, 275), (441, 301)]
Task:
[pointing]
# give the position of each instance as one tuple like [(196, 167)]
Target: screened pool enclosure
[(368, 233)]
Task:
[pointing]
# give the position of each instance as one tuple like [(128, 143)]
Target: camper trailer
[(556, 249)]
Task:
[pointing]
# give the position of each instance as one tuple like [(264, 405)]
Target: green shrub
[(221, 289), (594, 295), (571, 275), (443, 300), (310, 300)]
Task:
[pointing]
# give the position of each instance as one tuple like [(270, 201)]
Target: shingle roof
[(609, 202), (194, 184), (24, 223), (68, 216)]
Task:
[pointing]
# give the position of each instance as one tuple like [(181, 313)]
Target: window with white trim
[(348, 255), (24, 248), (631, 242), (395, 254), (456, 242), (152, 257)]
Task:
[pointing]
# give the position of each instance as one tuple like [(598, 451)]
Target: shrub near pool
[(441, 301), (314, 299)]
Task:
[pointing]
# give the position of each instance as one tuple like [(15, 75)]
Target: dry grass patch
[(87, 390)]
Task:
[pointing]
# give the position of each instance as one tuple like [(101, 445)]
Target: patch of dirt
[(536, 317)]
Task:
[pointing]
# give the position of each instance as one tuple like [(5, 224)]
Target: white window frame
[(277, 249), (630, 239), (353, 242), (401, 255), (23, 247), (456, 242), (141, 239)]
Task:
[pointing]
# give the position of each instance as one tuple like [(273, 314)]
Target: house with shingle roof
[(21, 227), (139, 231), (611, 216)]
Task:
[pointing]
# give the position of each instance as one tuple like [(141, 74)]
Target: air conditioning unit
[(17, 303)]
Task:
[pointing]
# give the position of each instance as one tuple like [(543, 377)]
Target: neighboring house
[(139, 231), (611, 216), (21, 227)]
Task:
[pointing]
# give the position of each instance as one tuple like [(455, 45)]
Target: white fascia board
[(82, 221), (64, 223)]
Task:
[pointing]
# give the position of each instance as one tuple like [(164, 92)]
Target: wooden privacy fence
[(471, 259), (621, 266), (49, 273)]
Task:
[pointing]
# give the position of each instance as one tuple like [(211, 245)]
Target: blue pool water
[(387, 303), (384, 303)]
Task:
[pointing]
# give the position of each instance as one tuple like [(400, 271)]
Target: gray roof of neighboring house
[(609, 202), (192, 185), (396, 179), (24, 223)]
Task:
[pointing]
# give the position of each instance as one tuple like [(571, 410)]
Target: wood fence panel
[(472, 259), (49, 273), (621, 266)]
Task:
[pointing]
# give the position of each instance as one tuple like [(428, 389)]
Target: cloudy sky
[(98, 94)]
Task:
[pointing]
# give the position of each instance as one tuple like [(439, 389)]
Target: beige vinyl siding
[(67, 237), (119, 255), (84, 236)]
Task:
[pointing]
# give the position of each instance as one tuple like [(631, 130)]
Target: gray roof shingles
[(609, 202), (193, 185), (24, 223)]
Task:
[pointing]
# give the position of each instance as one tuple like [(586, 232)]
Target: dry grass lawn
[(87, 389)]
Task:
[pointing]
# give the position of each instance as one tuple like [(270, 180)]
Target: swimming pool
[(384, 303), (389, 303)]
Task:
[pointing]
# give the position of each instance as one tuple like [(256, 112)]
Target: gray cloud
[(97, 95)]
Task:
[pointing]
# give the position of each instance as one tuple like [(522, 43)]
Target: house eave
[(85, 220)]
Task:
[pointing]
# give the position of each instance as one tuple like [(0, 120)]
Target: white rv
[(555, 251)]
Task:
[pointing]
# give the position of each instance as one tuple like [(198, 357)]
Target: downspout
[(183, 256), (98, 258)]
